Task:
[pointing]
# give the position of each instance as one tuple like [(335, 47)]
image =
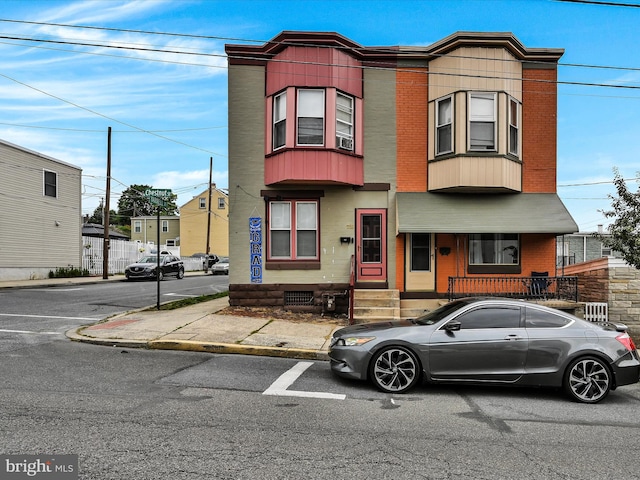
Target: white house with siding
[(40, 214)]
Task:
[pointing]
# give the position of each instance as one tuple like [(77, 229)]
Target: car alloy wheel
[(587, 380), (395, 370), (160, 274), (181, 273)]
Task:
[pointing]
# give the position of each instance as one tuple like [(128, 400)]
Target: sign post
[(159, 198)]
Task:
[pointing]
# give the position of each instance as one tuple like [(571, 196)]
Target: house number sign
[(255, 244)]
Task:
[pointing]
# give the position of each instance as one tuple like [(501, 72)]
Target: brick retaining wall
[(613, 281)]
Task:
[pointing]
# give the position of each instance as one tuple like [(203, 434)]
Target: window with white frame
[(279, 120), (482, 121), (444, 125), (514, 127), (221, 203), (494, 249), (310, 117), (50, 183), (293, 230), (165, 226), (137, 226), (203, 202), (344, 121)]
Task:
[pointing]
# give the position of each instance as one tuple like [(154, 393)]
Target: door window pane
[(421, 252), (371, 239)]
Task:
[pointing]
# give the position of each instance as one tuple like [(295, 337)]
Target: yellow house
[(205, 216)]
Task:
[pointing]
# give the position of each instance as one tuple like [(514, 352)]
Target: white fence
[(596, 312), (123, 253)]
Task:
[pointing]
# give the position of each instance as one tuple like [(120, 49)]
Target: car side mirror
[(452, 326)]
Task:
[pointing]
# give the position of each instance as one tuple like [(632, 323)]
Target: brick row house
[(424, 172)]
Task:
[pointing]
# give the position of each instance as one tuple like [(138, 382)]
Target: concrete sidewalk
[(200, 328)]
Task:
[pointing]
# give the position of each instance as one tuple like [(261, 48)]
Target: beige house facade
[(40, 214), (205, 212), (144, 229)]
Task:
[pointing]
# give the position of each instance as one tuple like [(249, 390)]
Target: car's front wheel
[(181, 273), (160, 275), (587, 380), (395, 370)]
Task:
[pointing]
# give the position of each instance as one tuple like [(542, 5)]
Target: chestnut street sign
[(158, 196)]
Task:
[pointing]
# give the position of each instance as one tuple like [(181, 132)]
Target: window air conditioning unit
[(344, 142)]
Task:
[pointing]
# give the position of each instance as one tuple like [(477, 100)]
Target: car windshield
[(152, 259), (438, 314), (224, 259)]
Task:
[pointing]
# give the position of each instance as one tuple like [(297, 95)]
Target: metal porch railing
[(528, 288)]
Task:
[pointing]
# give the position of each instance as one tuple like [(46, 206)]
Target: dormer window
[(482, 121), (310, 117)]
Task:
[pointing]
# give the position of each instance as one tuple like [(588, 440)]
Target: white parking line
[(30, 332), (95, 319), (279, 387)]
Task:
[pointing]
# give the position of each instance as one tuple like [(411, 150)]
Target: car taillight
[(627, 341)]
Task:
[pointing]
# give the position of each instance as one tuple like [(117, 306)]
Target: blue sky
[(168, 111)]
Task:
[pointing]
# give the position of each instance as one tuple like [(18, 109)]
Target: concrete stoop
[(376, 305)]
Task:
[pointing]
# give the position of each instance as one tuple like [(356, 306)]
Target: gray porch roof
[(425, 212)]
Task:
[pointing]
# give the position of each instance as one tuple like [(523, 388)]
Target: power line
[(602, 3)]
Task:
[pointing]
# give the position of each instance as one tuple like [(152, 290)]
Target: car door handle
[(513, 337)]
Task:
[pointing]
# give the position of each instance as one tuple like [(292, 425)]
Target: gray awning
[(424, 212)]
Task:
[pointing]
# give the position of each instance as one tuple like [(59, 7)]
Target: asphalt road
[(139, 414)]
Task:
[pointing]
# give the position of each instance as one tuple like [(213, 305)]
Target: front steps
[(373, 305), (383, 305)]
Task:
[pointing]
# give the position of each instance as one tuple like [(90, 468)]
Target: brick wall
[(539, 130), (612, 281), (411, 129)]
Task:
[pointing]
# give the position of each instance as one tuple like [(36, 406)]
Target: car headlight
[(354, 341)]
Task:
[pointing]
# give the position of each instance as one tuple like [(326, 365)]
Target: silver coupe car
[(490, 341)]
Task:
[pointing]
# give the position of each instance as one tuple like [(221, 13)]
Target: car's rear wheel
[(587, 380), (395, 370), (181, 273)]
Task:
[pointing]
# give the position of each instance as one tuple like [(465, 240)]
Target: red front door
[(371, 245)]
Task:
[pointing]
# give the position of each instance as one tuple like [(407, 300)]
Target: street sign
[(158, 196)]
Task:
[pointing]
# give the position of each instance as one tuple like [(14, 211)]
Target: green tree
[(134, 203), (97, 215), (625, 229)]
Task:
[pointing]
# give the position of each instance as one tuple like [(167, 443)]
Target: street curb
[(204, 347)]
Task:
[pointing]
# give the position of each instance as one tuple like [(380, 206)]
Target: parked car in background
[(147, 267), (490, 341), (209, 262), (222, 267)]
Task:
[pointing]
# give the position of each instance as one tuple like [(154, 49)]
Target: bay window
[(279, 120), (444, 125), (344, 122), (514, 127), (293, 230), (310, 117), (482, 121)]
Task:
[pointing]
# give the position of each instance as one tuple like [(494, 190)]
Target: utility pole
[(206, 255), (105, 216)]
